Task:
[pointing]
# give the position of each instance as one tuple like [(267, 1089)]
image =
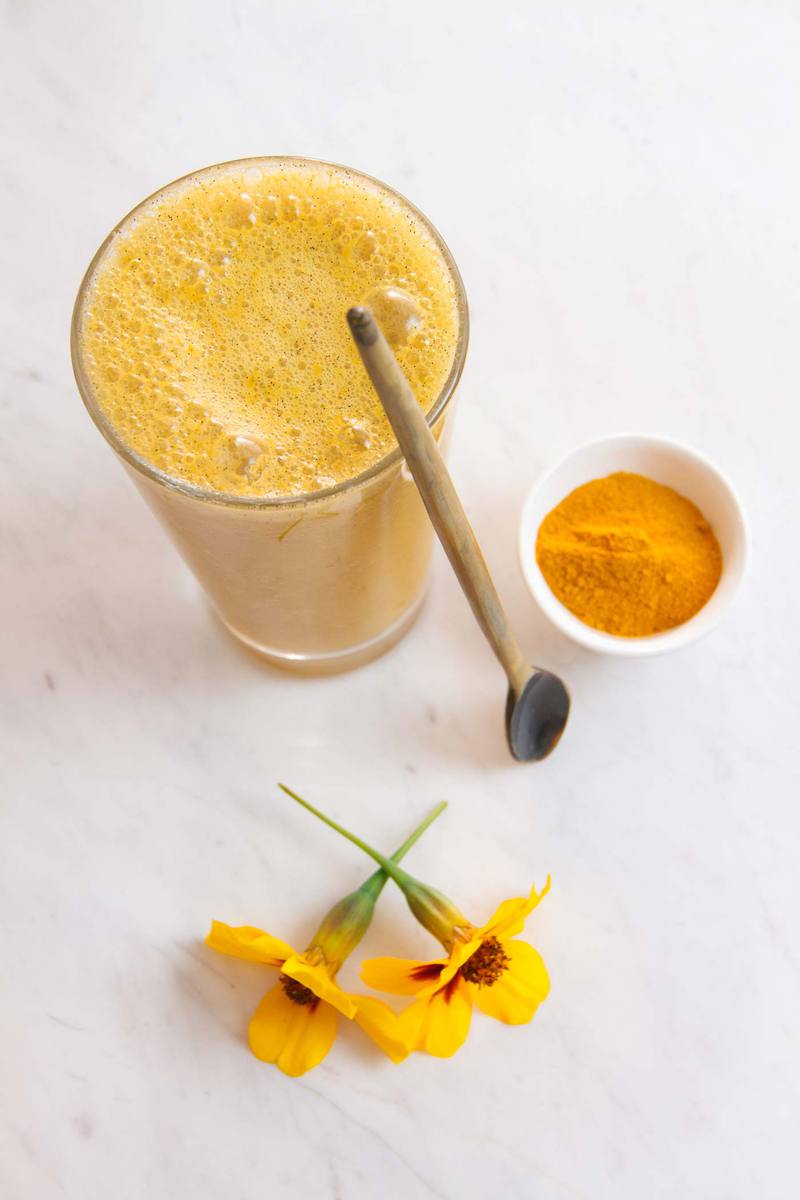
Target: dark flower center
[(487, 964), (298, 993)]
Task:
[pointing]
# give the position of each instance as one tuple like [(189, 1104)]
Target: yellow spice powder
[(628, 555)]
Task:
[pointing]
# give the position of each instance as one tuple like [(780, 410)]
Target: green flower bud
[(345, 925), (433, 910)]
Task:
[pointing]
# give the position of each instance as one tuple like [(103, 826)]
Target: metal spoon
[(538, 703)]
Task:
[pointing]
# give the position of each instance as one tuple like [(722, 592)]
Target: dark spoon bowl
[(536, 718)]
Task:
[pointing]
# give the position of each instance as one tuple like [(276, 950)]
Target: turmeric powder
[(628, 555)]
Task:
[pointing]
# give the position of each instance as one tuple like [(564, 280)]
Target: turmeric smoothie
[(214, 334), (211, 346)]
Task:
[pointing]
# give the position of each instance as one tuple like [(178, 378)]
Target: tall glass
[(321, 581)]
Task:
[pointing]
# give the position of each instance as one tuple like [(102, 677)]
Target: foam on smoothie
[(214, 331)]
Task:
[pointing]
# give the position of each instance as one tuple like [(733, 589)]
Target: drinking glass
[(321, 581)]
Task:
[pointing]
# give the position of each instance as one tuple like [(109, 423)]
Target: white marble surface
[(620, 184)]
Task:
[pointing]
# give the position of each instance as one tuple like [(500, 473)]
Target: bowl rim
[(608, 643)]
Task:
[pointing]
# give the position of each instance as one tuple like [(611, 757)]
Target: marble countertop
[(620, 185)]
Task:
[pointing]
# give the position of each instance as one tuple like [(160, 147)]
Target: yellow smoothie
[(214, 335), (211, 347)]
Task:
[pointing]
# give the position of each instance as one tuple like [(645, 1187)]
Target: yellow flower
[(506, 978), (486, 966), (294, 1026)]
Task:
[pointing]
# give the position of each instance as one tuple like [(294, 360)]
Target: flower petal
[(296, 1037), (245, 941), (378, 1020), (318, 979), (509, 918), (519, 991), (438, 1024), (403, 976), (459, 955)]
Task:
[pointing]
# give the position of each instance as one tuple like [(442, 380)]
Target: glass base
[(338, 660)]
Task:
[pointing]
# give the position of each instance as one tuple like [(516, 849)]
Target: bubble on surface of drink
[(247, 450), (359, 433), (398, 314), (214, 332)]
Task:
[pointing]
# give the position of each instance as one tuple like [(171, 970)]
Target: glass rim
[(193, 490)]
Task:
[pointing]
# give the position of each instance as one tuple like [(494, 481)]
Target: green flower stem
[(344, 926), (376, 883), (433, 910), (401, 878)]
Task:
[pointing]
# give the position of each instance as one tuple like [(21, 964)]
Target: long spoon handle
[(433, 480)]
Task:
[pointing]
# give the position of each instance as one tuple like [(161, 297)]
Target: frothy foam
[(214, 332)]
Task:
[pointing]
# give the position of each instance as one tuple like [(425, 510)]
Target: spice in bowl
[(629, 556)]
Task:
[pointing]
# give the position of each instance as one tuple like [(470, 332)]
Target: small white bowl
[(673, 464)]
